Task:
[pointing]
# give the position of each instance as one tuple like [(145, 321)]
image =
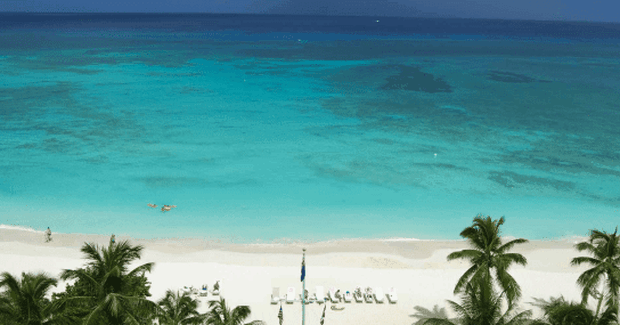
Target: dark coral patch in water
[(511, 179), (511, 77), (412, 79)]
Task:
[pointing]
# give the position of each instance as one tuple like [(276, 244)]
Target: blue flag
[(303, 270)]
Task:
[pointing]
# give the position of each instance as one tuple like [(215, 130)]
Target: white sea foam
[(20, 228), (402, 239)]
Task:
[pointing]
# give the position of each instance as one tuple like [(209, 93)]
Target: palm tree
[(24, 301), (422, 314), (481, 305), (111, 293), (220, 314), (488, 254), (605, 266), (179, 310), (558, 311)]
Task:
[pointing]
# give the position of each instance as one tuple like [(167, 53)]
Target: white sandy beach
[(417, 269)]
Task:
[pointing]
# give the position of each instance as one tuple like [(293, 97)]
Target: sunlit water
[(263, 128)]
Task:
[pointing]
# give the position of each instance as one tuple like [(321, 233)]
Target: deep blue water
[(305, 127)]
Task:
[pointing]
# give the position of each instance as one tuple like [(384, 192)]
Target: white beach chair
[(358, 295), (203, 292), (290, 295), (392, 297), (368, 296), (348, 296), (185, 290), (379, 295), (320, 295), (216, 288), (331, 294), (275, 295)]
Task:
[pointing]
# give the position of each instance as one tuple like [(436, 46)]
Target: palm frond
[(509, 245), (520, 318), (584, 259), (92, 316), (146, 267), (589, 280), (91, 252), (470, 254), (508, 259), (509, 285), (465, 278), (437, 321), (609, 316), (585, 246)]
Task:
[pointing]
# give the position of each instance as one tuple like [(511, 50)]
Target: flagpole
[(303, 295)]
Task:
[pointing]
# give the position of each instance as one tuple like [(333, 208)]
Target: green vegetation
[(176, 309), (605, 268), (24, 301), (220, 314), (105, 292), (489, 294), (422, 314), (489, 254), (558, 311)]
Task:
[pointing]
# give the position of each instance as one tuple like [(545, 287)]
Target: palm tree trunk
[(600, 302)]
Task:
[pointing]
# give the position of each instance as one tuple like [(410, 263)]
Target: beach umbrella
[(323, 317), (280, 315)]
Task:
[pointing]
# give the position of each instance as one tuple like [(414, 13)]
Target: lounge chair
[(357, 294), (331, 294), (275, 295), (348, 296), (185, 290), (392, 297), (203, 292), (320, 295), (216, 288), (368, 295), (290, 295), (379, 295)]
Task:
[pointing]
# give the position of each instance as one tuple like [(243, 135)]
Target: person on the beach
[(113, 239), (48, 235)]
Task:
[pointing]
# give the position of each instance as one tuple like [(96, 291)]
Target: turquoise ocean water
[(263, 128)]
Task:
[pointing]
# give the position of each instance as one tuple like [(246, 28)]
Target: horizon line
[(561, 20)]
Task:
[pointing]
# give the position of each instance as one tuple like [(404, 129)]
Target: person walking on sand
[(113, 239), (48, 235)]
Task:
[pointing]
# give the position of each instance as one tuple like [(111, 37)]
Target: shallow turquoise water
[(263, 137)]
